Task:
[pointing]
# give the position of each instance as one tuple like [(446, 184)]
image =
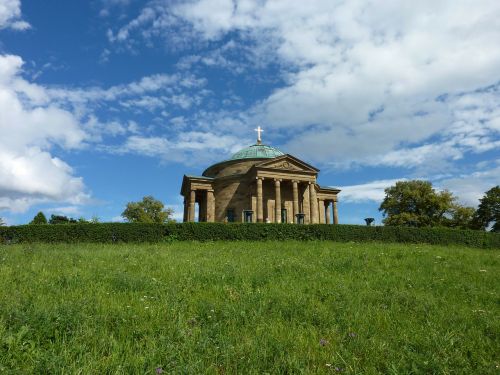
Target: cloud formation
[(364, 83), (36, 119), (29, 173), (10, 15), (371, 191), (189, 148)]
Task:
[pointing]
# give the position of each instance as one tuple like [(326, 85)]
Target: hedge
[(134, 232)]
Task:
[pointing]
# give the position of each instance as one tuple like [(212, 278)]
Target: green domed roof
[(257, 151)]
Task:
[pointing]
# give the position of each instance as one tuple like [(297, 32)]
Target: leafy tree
[(2, 222), (416, 203), (95, 219), (59, 219), (39, 219), (149, 210), (488, 212), (461, 217)]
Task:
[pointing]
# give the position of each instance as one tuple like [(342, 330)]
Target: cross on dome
[(259, 130)]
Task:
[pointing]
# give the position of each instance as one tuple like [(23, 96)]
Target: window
[(283, 215), (230, 215), (247, 216)]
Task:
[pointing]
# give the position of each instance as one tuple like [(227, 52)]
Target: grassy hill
[(249, 307)]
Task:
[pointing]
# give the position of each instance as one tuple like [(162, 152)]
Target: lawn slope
[(248, 307)]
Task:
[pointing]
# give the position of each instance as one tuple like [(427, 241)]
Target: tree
[(416, 203), (488, 212), (149, 210), (461, 217), (39, 219), (2, 223), (59, 219)]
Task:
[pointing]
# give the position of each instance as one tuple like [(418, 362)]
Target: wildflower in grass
[(323, 342), (339, 369), (159, 370), (352, 334)]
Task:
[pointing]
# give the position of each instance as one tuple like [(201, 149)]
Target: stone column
[(260, 206), (321, 211), (277, 203), (192, 201), (295, 200), (314, 203), (185, 217), (210, 206), (327, 211), (306, 206), (335, 213)]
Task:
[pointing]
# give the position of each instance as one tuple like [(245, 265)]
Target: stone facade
[(259, 188)]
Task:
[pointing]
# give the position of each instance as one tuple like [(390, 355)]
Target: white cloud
[(186, 147), (371, 191), (29, 174), (149, 93), (469, 188), (10, 15)]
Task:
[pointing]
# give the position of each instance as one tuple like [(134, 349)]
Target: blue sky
[(105, 101)]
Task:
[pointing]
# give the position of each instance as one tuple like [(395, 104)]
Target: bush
[(144, 232)]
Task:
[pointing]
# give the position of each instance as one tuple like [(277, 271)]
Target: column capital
[(278, 180), (259, 178)]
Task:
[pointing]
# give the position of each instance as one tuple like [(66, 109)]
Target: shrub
[(147, 232)]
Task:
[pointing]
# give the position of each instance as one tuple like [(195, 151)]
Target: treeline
[(40, 218), (148, 210)]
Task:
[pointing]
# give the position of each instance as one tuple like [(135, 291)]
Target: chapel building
[(259, 184)]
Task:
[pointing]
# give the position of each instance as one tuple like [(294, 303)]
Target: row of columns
[(325, 214), (312, 206), (207, 212)]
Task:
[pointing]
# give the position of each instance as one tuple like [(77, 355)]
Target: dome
[(257, 151)]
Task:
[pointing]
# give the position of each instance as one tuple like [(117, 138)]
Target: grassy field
[(243, 307)]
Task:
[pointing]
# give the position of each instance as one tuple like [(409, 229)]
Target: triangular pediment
[(287, 162)]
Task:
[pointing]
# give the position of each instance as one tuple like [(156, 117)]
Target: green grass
[(248, 307)]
